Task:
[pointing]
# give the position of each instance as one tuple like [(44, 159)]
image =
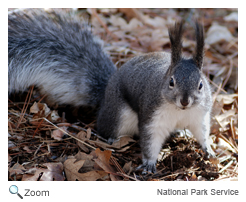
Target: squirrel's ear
[(175, 36), (199, 52)]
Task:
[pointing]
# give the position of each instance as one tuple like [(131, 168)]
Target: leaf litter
[(47, 144)]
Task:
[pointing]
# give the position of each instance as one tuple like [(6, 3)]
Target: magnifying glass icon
[(13, 189)]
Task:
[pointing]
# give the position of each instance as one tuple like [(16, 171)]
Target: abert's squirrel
[(154, 94), (151, 95)]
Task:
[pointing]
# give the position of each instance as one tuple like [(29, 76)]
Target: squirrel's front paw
[(210, 155), (147, 168), (111, 140)]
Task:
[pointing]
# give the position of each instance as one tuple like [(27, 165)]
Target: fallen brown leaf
[(53, 172), (58, 134), (71, 167), (82, 135), (102, 161), (17, 170)]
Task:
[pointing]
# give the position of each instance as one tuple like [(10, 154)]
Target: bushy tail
[(57, 53)]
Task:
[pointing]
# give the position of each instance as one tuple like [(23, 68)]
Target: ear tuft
[(175, 36), (199, 52)]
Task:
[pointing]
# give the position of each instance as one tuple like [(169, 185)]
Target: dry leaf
[(193, 177), (58, 134), (17, 170), (92, 175), (10, 143), (118, 21), (131, 12), (53, 116), (232, 17), (123, 149), (82, 135), (26, 148), (123, 141), (71, 169), (88, 133), (103, 155), (224, 144), (128, 168), (102, 160), (224, 119), (157, 22), (53, 172), (88, 164), (227, 99), (42, 108), (119, 144), (34, 108), (216, 33)]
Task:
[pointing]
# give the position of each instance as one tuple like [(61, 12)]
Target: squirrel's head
[(184, 81)]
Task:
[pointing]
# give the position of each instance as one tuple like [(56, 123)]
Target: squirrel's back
[(140, 78), (57, 53)]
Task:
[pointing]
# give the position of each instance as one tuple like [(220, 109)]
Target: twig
[(37, 149), (224, 168), (76, 138), (173, 174), (221, 89), (226, 140), (37, 128), (127, 176), (42, 98), (80, 128), (234, 170), (11, 129), (25, 106), (14, 104), (232, 131)]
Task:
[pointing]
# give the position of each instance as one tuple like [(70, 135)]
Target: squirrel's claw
[(147, 168)]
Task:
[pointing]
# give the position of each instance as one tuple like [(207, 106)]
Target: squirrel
[(151, 95)]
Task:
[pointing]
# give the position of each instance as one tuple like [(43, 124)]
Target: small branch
[(25, 106), (76, 138)]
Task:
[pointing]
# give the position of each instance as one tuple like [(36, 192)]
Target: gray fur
[(141, 90), (57, 53)]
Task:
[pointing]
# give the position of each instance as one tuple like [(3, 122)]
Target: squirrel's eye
[(171, 83), (200, 86)]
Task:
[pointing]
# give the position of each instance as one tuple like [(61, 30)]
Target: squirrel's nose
[(184, 102)]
